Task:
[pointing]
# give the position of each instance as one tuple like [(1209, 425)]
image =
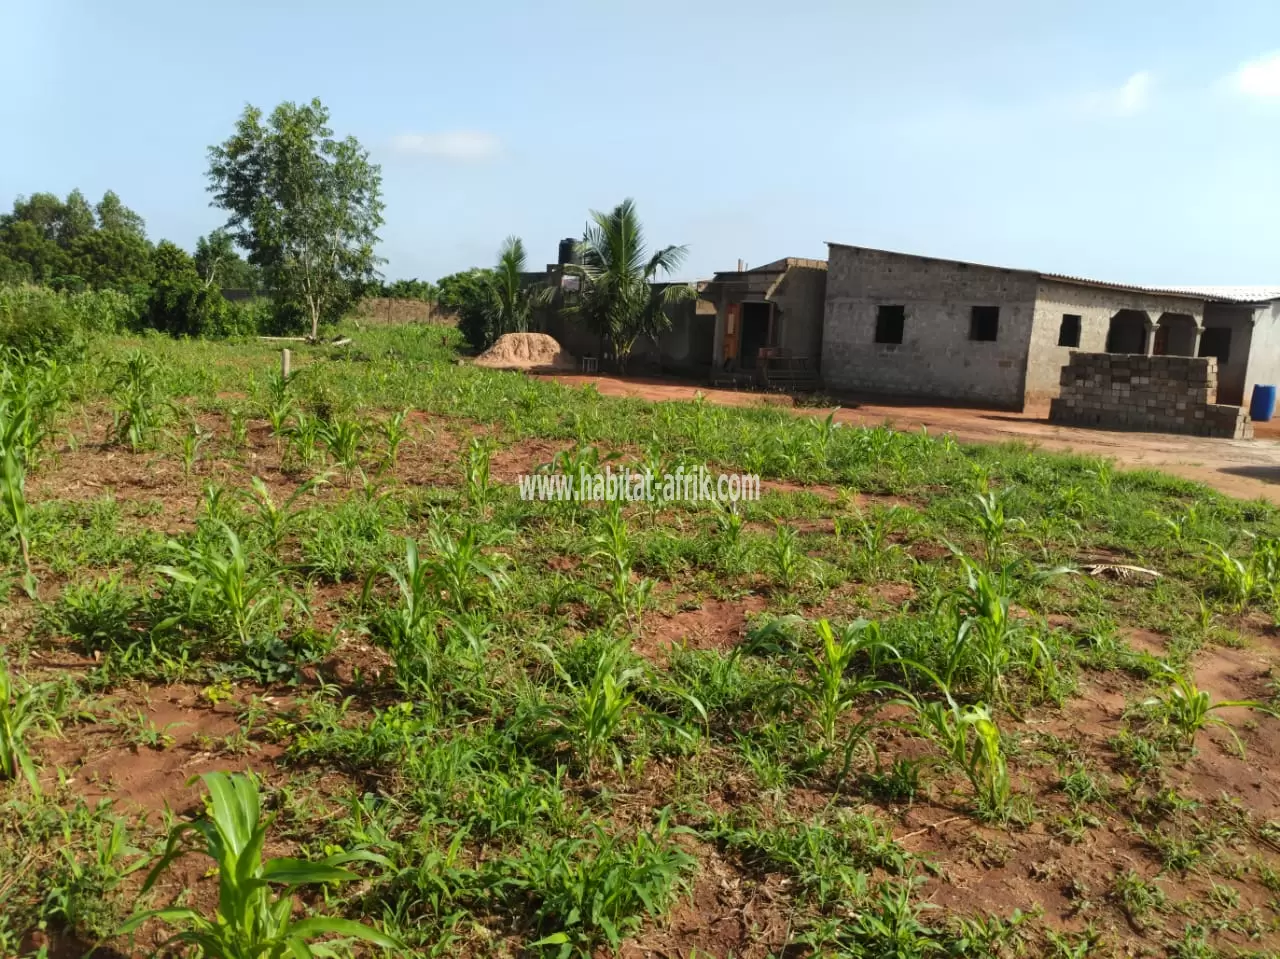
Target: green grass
[(555, 726)]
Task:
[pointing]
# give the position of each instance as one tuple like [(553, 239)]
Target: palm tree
[(509, 301), (620, 298)]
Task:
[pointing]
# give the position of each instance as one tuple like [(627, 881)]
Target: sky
[(1135, 141)]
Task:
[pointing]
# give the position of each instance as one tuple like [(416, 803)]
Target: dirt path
[(1244, 468)]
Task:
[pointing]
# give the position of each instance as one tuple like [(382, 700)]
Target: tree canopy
[(307, 207), (68, 243), (220, 264), (621, 297)]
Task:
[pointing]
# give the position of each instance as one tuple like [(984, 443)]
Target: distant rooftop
[(778, 266), (1221, 294)]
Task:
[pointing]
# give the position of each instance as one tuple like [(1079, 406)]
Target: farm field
[(915, 701), (1245, 469)]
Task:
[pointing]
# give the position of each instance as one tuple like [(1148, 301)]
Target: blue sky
[(1134, 141)]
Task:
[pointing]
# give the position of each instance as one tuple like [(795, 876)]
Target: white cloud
[(460, 146), (1129, 99), (1259, 78)]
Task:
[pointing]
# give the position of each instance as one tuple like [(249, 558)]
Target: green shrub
[(38, 320)]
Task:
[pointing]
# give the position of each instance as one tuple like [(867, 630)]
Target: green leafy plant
[(873, 529), (1188, 709), (598, 707), (1238, 579), (613, 549), (478, 484), (303, 437), (597, 889), (278, 405), (831, 691), (225, 580), (993, 523), (22, 708), (17, 517), (189, 446), (274, 522), (395, 431), (251, 922), (789, 562), (344, 439), (581, 462), (140, 407), (970, 739)]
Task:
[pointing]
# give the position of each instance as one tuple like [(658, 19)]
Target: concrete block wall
[(1163, 394), (936, 357), (800, 298), (1095, 306)]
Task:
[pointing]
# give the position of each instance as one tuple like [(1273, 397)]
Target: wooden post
[(285, 357)]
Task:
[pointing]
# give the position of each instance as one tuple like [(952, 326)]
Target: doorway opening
[(755, 331)]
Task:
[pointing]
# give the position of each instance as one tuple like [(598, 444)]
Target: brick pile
[(1163, 394)]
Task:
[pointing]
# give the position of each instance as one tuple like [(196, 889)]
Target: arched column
[(1131, 331)]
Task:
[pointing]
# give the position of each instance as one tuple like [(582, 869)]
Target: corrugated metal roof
[(1239, 294), (1225, 294)]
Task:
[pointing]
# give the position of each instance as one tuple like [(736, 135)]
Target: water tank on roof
[(568, 251)]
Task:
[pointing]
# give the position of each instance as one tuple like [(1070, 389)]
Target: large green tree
[(306, 206), (70, 243), (467, 295), (115, 217), (620, 296), (112, 259)]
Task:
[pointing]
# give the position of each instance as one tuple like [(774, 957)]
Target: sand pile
[(526, 351)]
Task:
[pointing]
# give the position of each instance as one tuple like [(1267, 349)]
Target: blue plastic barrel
[(1263, 404)]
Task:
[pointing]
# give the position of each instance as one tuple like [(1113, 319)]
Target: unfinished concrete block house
[(946, 329), (768, 322)]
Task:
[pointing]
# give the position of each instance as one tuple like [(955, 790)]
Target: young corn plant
[(1188, 709), (1238, 580), (830, 691), (217, 503), (274, 522), (140, 407), (303, 438), (237, 427), (344, 439), (460, 572), (32, 393), (277, 415), (476, 466), (22, 708), (251, 921), (409, 628), (994, 524), (613, 550), (224, 582), (992, 637), (189, 446), (729, 545), (16, 515), (581, 462), (1177, 528), (970, 739), (873, 532), (279, 404), (395, 432), (790, 564), (597, 708)]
